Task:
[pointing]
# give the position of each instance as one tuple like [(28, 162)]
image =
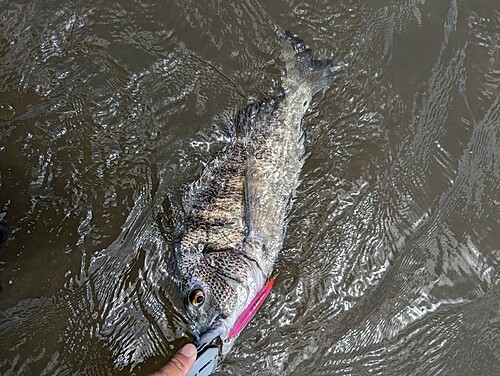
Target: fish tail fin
[(302, 69)]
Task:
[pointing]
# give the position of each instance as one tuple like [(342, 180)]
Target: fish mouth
[(216, 335)]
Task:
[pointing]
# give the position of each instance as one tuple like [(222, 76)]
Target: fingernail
[(188, 350)]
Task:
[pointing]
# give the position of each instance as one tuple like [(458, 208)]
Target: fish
[(236, 211)]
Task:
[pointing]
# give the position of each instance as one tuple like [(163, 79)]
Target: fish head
[(216, 287)]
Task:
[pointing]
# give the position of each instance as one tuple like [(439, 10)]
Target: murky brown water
[(391, 261)]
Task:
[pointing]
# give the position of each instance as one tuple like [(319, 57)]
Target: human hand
[(180, 364)]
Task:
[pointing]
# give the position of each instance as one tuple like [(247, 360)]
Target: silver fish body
[(236, 211)]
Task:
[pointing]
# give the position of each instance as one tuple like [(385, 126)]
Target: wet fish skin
[(236, 211)]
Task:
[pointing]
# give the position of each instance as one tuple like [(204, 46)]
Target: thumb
[(180, 364)]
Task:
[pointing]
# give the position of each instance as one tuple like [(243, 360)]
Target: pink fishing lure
[(252, 309)]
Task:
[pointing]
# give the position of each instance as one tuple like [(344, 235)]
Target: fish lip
[(217, 330), (216, 335)]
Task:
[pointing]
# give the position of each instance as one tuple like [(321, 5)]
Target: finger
[(180, 364)]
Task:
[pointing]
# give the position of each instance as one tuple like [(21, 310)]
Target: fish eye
[(197, 297)]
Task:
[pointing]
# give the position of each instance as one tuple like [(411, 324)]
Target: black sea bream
[(236, 211)]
